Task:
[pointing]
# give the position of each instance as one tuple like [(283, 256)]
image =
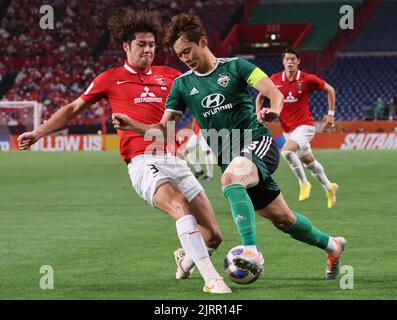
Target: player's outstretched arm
[(328, 119), (57, 121), (121, 121), (267, 88)]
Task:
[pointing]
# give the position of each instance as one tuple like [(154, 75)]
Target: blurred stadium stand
[(55, 66), (380, 33), (324, 15)]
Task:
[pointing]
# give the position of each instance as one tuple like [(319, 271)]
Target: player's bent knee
[(287, 155), (307, 160), (229, 178), (308, 164)]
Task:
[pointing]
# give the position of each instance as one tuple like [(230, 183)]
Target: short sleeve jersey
[(219, 100), (138, 94), (296, 111)]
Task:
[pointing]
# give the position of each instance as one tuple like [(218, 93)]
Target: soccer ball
[(236, 274)]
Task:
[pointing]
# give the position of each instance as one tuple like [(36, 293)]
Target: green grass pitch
[(78, 213)]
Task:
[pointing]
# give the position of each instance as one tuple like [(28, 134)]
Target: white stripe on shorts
[(262, 154), (260, 145), (263, 145)]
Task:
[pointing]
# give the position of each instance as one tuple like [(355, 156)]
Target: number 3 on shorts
[(154, 169)]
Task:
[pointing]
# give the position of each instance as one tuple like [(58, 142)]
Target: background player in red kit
[(298, 125), (139, 90)]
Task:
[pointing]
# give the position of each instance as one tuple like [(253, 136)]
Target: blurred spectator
[(12, 122), (380, 109), (391, 108), (368, 111), (55, 66), (199, 5)]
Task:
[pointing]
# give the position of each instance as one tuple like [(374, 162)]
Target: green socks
[(243, 212), (303, 230)]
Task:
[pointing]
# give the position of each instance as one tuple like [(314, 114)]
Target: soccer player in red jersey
[(195, 143), (298, 125), (139, 90)]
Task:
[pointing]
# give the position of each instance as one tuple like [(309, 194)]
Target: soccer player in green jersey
[(215, 92)]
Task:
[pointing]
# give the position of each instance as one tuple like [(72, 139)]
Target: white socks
[(192, 158), (318, 173), (252, 248), (296, 166), (315, 168), (187, 263), (193, 243), (331, 246), (209, 164)]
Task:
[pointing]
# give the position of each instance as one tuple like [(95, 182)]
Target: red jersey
[(138, 94), (296, 93)]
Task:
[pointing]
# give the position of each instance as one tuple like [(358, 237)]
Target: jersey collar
[(133, 70), (297, 76), (209, 72)]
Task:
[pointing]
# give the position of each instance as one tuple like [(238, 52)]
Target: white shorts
[(197, 141), (302, 135), (148, 172)]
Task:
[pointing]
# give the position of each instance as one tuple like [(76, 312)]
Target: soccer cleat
[(199, 174), (333, 260), (216, 286), (180, 272), (249, 260), (207, 178), (304, 193), (331, 195)]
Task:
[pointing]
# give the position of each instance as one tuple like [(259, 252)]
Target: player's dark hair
[(188, 25), (290, 50), (125, 22)]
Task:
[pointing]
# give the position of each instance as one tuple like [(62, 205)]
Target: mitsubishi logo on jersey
[(290, 98), (147, 96), (214, 103), (147, 93)]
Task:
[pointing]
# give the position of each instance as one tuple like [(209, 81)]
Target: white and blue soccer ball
[(236, 274)]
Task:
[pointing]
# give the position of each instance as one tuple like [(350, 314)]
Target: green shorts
[(263, 152)]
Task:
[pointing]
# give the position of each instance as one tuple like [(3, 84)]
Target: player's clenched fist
[(329, 121), (267, 114), (25, 140), (121, 121)]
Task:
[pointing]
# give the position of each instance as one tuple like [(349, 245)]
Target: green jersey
[(219, 100)]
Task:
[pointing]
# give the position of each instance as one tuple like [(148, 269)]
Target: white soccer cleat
[(249, 260), (180, 272), (216, 286), (333, 260)]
